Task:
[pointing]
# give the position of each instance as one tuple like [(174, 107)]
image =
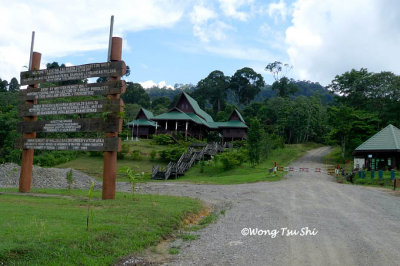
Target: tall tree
[(14, 85), (350, 127), (212, 89), (245, 84), (3, 85), (285, 87), (136, 94), (254, 140)]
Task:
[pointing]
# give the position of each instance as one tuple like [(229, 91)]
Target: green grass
[(93, 166), (215, 174), (52, 230), (335, 157)]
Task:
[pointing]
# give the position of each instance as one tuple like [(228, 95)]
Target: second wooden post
[(110, 157)]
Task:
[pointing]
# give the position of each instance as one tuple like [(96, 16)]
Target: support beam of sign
[(25, 179), (110, 157)]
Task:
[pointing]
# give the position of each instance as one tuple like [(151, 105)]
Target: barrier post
[(275, 168)]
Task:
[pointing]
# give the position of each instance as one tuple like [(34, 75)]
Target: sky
[(168, 42)]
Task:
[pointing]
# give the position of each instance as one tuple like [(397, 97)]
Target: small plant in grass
[(133, 177), (70, 179), (90, 195), (173, 251), (202, 164)]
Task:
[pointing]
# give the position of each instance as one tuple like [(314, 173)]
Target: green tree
[(350, 127), (14, 85), (254, 140), (285, 87), (245, 84), (212, 89), (3, 85), (136, 94)]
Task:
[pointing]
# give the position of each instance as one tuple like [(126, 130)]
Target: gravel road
[(356, 225)]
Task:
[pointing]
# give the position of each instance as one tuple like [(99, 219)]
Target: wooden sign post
[(110, 157), (25, 178), (112, 106)]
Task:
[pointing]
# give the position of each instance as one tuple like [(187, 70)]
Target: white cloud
[(150, 84), (201, 14), (206, 25), (278, 10), (231, 8), (330, 37), (64, 29)]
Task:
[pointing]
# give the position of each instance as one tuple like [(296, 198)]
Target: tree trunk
[(343, 147)]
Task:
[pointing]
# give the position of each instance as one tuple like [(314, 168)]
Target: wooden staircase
[(186, 161)]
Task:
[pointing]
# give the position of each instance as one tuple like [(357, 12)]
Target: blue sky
[(168, 42)]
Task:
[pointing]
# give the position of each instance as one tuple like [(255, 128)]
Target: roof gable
[(149, 115), (239, 116), (196, 107), (386, 139)]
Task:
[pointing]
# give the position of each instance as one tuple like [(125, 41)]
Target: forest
[(355, 105)]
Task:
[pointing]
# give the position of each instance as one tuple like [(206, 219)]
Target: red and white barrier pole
[(275, 168)]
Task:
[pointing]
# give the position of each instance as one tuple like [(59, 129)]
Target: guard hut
[(143, 126), (380, 152)]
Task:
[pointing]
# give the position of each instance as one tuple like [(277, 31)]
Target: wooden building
[(381, 151), (234, 129), (143, 126), (188, 119)]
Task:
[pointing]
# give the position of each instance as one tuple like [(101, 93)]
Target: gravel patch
[(45, 177)]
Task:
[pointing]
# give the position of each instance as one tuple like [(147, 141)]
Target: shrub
[(239, 143), (70, 179), (172, 154), (232, 159), (163, 139), (153, 155), (124, 151), (135, 155), (52, 158)]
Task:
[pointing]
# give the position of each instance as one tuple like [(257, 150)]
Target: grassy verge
[(93, 166), (52, 230), (215, 174)]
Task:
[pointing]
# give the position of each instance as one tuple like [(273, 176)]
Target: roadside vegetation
[(214, 172), (51, 230)]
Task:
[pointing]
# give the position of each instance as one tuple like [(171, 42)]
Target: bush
[(135, 155), (52, 158), (213, 136), (124, 151), (163, 139), (153, 155), (232, 159), (172, 154), (239, 143)]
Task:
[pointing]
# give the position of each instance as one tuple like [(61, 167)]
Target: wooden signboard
[(110, 107), (113, 69), (84, 107), (71, 125), (76, 144), (76, 90)]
